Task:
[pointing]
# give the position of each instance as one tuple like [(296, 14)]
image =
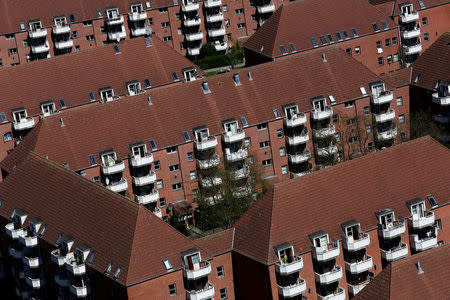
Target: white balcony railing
[(216, 32), (39, 33), (327, 252), (140, 161), (79, 291), (325, 151), (188, 7), (118, 35), (322, 114), (421, 222), (64, 44), (339, 294), (140, 31), (45, 47), (413, 49), (299, 158), (113, 168), (61, 29), (206, 292), (359, 266), (286, 268), (59, 259), (211, 18), (267, 8), (395, 253), (299, 174), (242, 191), (149, 198), (329, 277), (422, 244), (411, 17), (382, 98), (352, 244), (441, 100), (240, 173), (210, 181), (31, 262), (192, 22), (411, 34), (298, 138), (389, 134), (24, 124), (203, 270), (118, 186), (212, 3), (388, 115), (221, 46), (193, 51), (355, 289), (13, 232), (324, 132), (392, 230), (35, 283), (238, 155), (115, 20), (195, 36), (137, 16), (158, 212), (207, 143), (208, 163), (75, 268), (296, 120), (144, 180), (232, 137), (292, 290), (28, 241)]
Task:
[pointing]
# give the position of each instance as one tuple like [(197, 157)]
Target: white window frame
[(139, 150), (60, 21), (104, 94), (202, 134), (189, 75), (20, 115), (134, 88), (48, 108), (136, 8), (231, 127), (109, 158), (35, 26), (112, 13)]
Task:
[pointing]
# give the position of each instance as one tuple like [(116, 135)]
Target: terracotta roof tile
[(385, 179), (392, 8), (398, 78), (217, 243)]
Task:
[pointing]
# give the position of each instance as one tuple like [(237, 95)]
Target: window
[(349, 104), (424, 21), (25, 43), (19, 115), (351, 122), (323, 40), (292, 47), (284, 170), (74, 34), (190, 156), (162, 202), (229, 36), (314, 42), (239, 11), (378, 45), (330, 38), (1, 62), (375, 27), (165, 24), (348, 51), (150, 21), (248, 143), (283, 50), (159, 184), (174, 168), (241, 25), (403, 136), (353, 139), (380, 61), (335, 118), (87, 23), (192, 175), (387, 42), (225, 8), (90, 38), (339, 36), (399, 101), (385, 25), (157, 165), (176, 186), (394, 41), (368, 129), (250, 160), (264, 144), (163, 10), (266, 162), (134, 88), (345, 33), (177, 16), (12, 51), (401, 119), (7, 137), (223, 294), (355, 33), (366, 110), (165, 219), (357, 50), (261, 126), (279, 133), (220, 272), (282, 151), (9, 36), (171, 150), (395, 57), (48, 108), (371, 146), (389, 59), (172, 287), (426, 37), (167, 38)]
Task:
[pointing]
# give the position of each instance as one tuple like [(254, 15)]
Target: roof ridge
[(277, 18), (271, 224)]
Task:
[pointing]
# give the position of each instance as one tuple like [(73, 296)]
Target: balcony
[(395, 253), (354, 245), (193, 51), (137, 16), (382, 98), (157, 212), (113, 168), (298, 138), (189, 7), (15, 252), (326, 253), (13, 232), (339, 294), (322, 114), (221, 46), (206, 293), (421, 222), (207, 143), (292, 290), (265, 9), (75, 268), (296, 120), (212, 3), (232, 137), (360, 266), (324, 132), (192, 22), (61, 279), (28, 241), (57, 258), (42, 48), (211, 18), (240, 173), (389, 115), (24, 124), (329, 277), (118, 186), (114, 20), (213, 199), (118, 35), (413, 49), (423, 244), (299, 174), (299, 158), (440, 118), (238, 155), (35, 283), (389, 134), (202, 271), (330, 150), (31, 262), (140, 31), (78, 291), (411, 34), (149, 198), (64, 44), (208, 163), (195, 36), (441, 100), (144, 180), (286, 268), (140, 161), (208, 182), (37, 34), (61, 29), (355, 289), (392, 230), (242, 191), (408, 18), (216, 32)]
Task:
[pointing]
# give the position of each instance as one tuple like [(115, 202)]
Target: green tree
[(207, 50)]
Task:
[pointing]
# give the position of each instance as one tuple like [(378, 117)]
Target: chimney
[(324, 59), (419, 268)]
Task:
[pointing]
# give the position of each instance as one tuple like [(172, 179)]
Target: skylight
[(205, 88), (323, 40), (149, 99), (117, 273), (375, 27), (99, 13), (108, 268), (91, 96), (345, 33), (3, 117), (331, 97), (292, 46), (44, 228), (385, 25), (432, 200), (148, 43), (422, 5), (72, 18), (339, 36), (186, 136), (276, 113), (92, 159), (91, 259), (167, 264), (244, 121), (355, 33), (314, 41), (236, 79), (62, 103), (147, 82), (283, 49), (330, 38), (116, 49), (153, 144), (250, 78), (175, 76), (363, 90)]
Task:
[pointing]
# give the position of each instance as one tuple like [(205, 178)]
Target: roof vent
[(419, 268), (62, 122), (205, 88), (262, 48), (250, 78), (324, 58), (236, 79)]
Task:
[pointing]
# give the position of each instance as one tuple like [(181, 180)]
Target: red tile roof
[(59, 77), (217, 243), (295, 79), (398, 78), (116, 228), (392, 7), (12, 13), (299, 207), (299, 21), (401, 279), (433, 64)]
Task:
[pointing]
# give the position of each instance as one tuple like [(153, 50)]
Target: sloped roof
[(294, 79), (398, 78), (401, 279), (73, 76), (217, 243), (392, 7), (351, 190), (299, 21), (12, 13), (115, 227), (433, 64)]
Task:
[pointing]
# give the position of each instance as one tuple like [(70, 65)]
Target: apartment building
[(32, 30), (59, 244), (430, 84), (274, 117), (373, 36), (35, 91)]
